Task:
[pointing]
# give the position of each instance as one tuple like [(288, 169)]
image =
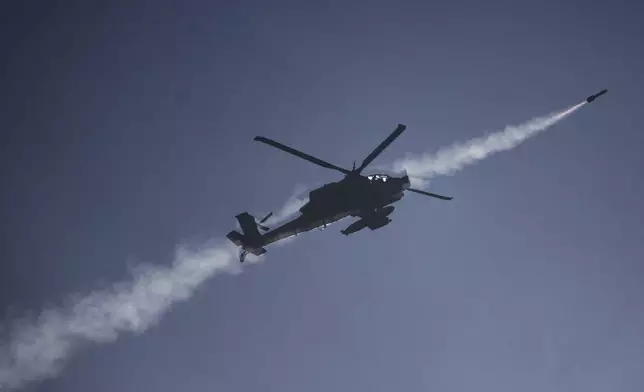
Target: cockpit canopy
[(378, 177)]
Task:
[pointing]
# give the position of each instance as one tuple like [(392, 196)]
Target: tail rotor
[(259, 224)]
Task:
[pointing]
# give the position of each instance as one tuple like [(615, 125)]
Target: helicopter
[(368, 197)]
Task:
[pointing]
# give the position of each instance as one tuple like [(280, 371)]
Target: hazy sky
[(127, 129)]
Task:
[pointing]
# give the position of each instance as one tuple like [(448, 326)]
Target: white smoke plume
[(452, 159), (290, 207), (36, 349)]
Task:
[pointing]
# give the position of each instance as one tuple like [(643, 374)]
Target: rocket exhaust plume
[(452, 159), (38, 349)]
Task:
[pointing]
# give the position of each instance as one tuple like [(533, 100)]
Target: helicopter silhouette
[(366, 197)]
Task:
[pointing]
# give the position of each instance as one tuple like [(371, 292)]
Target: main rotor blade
[(382, 146), (300, 154), (430, 194)]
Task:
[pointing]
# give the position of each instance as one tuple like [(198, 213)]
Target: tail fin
[(251, 240), (248, 225)]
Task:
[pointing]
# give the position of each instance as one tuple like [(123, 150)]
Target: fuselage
[(337, 200), (353, 194)]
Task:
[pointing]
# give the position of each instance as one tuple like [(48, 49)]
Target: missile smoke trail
[(452, 159), (38, 349), (291, 206)]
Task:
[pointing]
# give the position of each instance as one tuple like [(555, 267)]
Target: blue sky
[(128, 130)]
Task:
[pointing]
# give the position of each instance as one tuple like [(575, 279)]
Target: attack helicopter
[(368, 197)]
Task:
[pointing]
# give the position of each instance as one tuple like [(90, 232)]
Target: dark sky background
[(127, 128)]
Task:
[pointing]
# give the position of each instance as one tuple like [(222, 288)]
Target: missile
[(594, 96)]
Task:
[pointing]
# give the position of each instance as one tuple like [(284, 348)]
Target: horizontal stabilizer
[(236, 238)]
